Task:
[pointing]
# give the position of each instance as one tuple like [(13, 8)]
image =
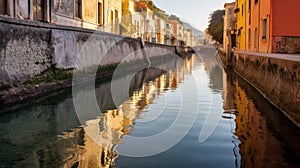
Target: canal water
[(210, 116)]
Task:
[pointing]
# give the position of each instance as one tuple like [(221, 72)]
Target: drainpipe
[(50, 11), (245, 24), (14, 6), (269, 29), (269, 32), (107, 15), (258, 28)]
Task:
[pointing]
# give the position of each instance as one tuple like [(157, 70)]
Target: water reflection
[(48, 134), (109, 128), (266, 137), (251, 132)]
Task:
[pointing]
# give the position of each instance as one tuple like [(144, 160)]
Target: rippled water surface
[(211, 116)]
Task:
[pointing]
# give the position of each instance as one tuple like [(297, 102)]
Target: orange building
[(175, 31), (270, 25)]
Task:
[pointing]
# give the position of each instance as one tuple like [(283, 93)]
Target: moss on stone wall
[(50, 75)]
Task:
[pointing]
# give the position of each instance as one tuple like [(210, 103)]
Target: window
[(111, 17), (256, 1), (249, 7), (100, 11), (138, 27), (242, 10), (116, 26), (249, 37), (3, 7), (249, 11), (116, 15), (264, 29), (255, 38), (38, 10), (104, 13), (249, 18), (78, 9)]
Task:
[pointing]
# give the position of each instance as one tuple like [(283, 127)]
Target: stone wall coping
[(289, 57)]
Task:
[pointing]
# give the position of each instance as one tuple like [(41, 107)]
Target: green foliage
[(174, 17), (108, 68), (161, 14), (157, 10), (54, 75), (216, 25), (51, 76)]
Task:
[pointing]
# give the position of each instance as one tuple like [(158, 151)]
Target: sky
[(195, 12)]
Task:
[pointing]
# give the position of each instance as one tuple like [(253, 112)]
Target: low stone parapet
[(276, 76)]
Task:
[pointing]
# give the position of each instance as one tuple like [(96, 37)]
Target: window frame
[(78, 9), (100, 14), (264, 28), (4, 7)]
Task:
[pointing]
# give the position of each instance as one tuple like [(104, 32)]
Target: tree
[(156, 10), (174, 17), (216, 25)]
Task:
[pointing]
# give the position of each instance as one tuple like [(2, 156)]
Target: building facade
[(113, 10), (160, 29), (129, 19), (241, 23), (175, 31), (26, 9), (268, 26), (169, 33), (229, 26), (137, 19), (180, 35), (188, 37)]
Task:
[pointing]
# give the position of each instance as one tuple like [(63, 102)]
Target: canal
[(192, 114)]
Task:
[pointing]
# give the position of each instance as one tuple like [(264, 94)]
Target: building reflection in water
[(107, 130), (37, 136), (262, 135), (259, 127), (255, 144)]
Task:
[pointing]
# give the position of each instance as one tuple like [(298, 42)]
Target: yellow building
[(114, 15), (92, 13), (241, 24), (131, 20), (188, 37)]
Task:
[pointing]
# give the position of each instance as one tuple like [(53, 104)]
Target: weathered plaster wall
[(89, 11), (79, 50), (24, 52), (278, 79), (158, 49)]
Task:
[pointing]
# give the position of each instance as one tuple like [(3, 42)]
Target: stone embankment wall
[(285, 44), (275, 76), (24, 50), (29, 48)]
